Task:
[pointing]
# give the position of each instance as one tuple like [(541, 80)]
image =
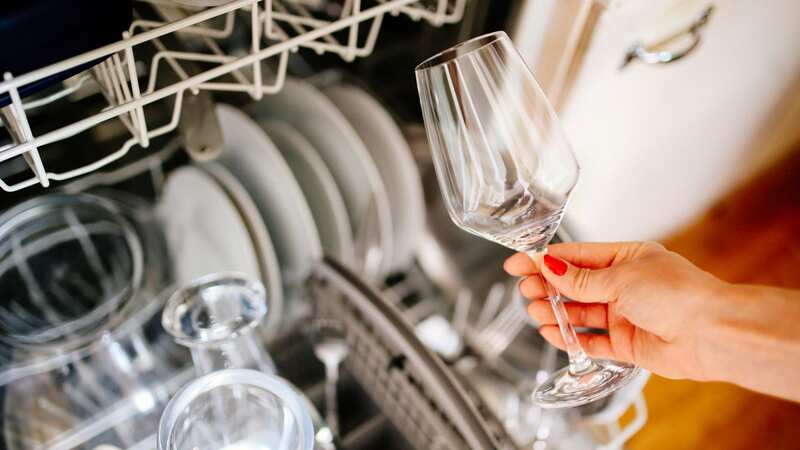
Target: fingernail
[(555, 265)]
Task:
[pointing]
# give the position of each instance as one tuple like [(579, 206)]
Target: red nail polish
[(557, 266)]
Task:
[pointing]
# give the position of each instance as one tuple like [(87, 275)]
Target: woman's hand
[(666, 315), (654, 303)]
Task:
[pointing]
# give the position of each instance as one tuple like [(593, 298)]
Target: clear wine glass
[(506, 170)]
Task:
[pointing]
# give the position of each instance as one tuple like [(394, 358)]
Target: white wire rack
[(287, 25)]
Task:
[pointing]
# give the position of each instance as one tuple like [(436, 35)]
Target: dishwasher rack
[(436, 407), (286, 25), (415, 397), (403, 389), (420, 396)]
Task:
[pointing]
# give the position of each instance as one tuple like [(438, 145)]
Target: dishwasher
[(199, 188)]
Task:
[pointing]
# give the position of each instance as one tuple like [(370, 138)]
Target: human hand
[(655, 304)]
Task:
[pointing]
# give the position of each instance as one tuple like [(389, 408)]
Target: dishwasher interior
[(130, 178)]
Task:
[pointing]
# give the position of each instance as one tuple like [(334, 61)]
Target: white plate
[(312, 114), (394, 161), (204, 230), (253, 159), (267, 260), (319, 189)]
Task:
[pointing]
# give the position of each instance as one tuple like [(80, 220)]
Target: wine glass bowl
[(504, 166), (506, 170)]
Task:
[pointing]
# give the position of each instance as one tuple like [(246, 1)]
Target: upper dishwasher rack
[(287, 25)]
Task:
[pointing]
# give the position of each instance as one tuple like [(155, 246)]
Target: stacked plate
[(304, 172)]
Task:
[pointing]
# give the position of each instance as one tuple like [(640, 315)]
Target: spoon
[(331, 349)]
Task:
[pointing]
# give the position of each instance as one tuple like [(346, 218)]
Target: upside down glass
[(236, 409), (216, 316), (506, 170)]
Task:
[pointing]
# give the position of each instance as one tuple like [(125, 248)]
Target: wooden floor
[(756, 226)]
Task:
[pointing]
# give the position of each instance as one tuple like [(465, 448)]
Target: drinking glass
[(506, 170), (216, 316), (236, 409), (80, 276)]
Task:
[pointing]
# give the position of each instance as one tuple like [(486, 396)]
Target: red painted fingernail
[(557, 266)]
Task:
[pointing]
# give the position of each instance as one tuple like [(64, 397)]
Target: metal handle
[(649, 55)]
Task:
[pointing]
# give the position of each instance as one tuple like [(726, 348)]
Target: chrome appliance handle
[(652, 55)]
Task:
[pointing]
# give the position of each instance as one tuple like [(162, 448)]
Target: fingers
[(581, 315), (532, 288), (520, 264), (590, 255), (586, 272), (582, 284), (595, 345), (577, 283)]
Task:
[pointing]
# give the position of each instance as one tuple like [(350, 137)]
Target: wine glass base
[(564, 389)]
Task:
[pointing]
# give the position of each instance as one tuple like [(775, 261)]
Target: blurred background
[(684, 116), (702, 154)]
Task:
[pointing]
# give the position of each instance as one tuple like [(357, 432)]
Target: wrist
[(715, 347), (752, 340)]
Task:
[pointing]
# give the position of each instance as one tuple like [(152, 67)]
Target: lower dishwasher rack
[(394, 392), (411, 385)]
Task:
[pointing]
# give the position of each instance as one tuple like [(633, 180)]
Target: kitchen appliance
[(118, 129), (709, 97)]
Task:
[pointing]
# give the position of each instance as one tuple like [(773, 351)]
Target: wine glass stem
[(579, 362)]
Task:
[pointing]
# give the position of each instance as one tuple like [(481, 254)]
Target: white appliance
[(659, 143)]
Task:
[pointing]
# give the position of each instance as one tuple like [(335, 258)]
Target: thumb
[(578, 283)]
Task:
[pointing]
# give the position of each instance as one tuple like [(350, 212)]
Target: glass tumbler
[(236, 409), (216, 317)]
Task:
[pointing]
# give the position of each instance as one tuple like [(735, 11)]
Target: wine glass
[(506, 170)]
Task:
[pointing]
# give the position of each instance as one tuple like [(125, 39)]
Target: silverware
[(497, 331), (331, 349)]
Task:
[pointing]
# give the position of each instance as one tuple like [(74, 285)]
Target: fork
[(501, 331)]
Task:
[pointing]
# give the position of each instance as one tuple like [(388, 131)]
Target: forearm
[(754, 340)]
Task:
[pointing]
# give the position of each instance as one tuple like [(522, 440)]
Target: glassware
[(80, 276), (70, 266), (506, 170), (236, 409), (216, 316)]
